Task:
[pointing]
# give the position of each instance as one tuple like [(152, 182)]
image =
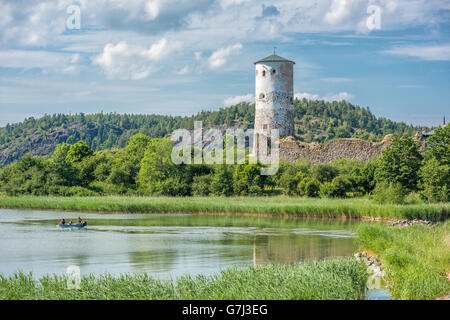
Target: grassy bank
[(416, 258), (343, 278), (351, 208)]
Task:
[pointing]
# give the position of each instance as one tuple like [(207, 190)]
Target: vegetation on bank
[(416, 258), (337, 279), (318, 121), (282, 205), (403, 174)]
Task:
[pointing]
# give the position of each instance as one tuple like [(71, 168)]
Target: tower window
[(261, 96), (265, 126), (274, 71), (264, 73), (256, 72)]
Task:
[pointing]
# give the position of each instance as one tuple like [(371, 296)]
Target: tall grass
[(416, 258), (343, 278), (351, 208)]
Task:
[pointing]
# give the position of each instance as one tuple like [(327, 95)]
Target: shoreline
[(281, 207), (244, 214)]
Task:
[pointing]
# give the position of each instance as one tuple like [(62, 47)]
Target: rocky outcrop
[(291, 149)]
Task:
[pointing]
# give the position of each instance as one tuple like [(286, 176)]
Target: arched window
[(274, 71), (256, 72), (261, 96), (264, 73)]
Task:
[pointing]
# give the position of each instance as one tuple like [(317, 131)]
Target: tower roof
[(274, 58)]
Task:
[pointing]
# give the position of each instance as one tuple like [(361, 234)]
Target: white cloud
[(331, 97), (185, 70), (219, 57), (29, 59), (124, 61), (339, 10), (307, 96), (227, 3), (436, 52), (238, 99)]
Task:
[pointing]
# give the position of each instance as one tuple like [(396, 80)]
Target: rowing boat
[(82, 225)]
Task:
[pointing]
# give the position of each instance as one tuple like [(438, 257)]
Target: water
[(163, 245)]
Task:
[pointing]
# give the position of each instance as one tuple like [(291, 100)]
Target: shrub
[(309, 187), (201, 185), (343, 184), (328, 190), (324, 172), (392, 193), (255, 191), (222, 181)]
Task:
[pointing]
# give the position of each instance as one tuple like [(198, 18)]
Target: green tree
[(78, 152), (222, 181), (247, 175), (400, 163), (157, 165), (438, 145), (435, 181)]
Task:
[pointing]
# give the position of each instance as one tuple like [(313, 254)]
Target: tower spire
[(274, 49)]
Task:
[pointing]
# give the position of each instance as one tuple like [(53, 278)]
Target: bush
[(222, 181), (309, 187), (324, 172), (343, 184), (201, 185), (328, 190), (255, 191), (71, 191), (173, 187), (391, 193), (337, 188)]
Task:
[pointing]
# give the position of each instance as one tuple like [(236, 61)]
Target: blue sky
[(179, 57)]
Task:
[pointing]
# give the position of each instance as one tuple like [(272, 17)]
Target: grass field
[(343, 278), (310, 207), (416, 258)]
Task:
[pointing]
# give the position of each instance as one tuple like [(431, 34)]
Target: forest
[(403, 174), (318, 121)]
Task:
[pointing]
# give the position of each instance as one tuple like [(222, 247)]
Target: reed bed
[(416, 258), (308, 207), (339, 278)]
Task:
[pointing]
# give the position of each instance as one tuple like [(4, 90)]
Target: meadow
[(416, 258), (342, 278), (279, 205)]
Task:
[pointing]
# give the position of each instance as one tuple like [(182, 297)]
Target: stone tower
[(274, 98)]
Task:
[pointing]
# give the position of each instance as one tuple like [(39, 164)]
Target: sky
[(179, 57)]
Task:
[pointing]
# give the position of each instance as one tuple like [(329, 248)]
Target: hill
[(319, 121)]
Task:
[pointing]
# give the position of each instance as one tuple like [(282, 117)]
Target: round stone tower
[(274, 97)]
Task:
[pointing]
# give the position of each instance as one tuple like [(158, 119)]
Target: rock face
[(291, 150)]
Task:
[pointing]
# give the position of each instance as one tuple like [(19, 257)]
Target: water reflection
[(164, 245)]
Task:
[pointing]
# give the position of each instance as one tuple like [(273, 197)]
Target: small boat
[(82, 225)]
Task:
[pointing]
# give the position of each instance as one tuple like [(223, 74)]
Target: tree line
[(319, 121), (144, 167)]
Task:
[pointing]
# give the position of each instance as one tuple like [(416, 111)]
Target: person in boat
[(63, 221), (70, 222), (80, 221)]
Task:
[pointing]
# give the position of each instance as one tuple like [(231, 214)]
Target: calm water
[(163, 245)]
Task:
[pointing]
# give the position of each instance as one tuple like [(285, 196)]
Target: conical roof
[(274, 58)]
